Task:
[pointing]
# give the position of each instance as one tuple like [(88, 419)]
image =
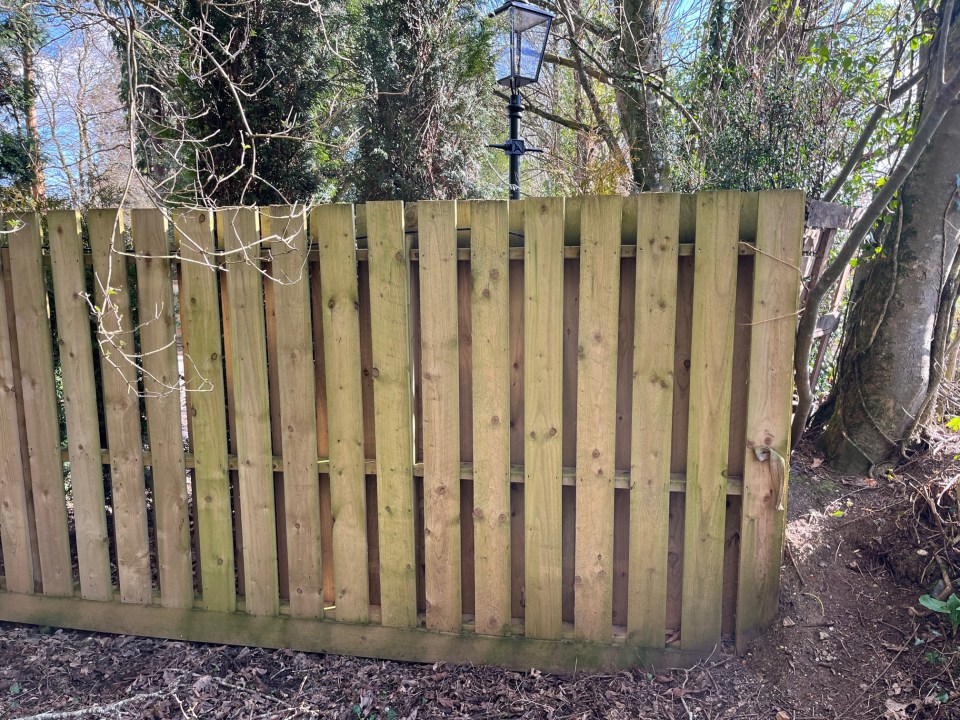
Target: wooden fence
[(546, 433)]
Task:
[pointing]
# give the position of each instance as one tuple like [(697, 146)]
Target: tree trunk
[(38, 187), (638, 106), (889, 361)]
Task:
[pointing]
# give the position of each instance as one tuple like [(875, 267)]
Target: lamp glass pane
[(503, 47), (533, 40)]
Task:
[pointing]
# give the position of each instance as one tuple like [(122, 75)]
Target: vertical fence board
[(296, 393), (491, 415), (441, 412), (254, 452), (14, 511), (658, 226), (80, 405), (161, 385), (714, 295), (389, 262), (121, 404), (40, 404), (543, 421), (333, 230), (776, 286), (596, 416), (203, 366), (17, 390)]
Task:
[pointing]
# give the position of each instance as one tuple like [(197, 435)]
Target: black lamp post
[(520, 34)]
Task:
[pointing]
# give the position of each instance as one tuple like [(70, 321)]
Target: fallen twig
[(97, 710)]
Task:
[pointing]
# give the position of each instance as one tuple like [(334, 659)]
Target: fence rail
[(548, 432)]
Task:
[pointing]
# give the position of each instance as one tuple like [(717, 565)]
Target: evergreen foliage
[(17, 29), (234, 120), (425, 109)]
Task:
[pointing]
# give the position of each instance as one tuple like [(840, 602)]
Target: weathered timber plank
[(333, 231), (714, 296), (15, 513), (393, 404), (655, 310), (441, 412), (238, 227), (543, 410), (296, 391), (766, 465), (40, 403), (406, 644), (490, 298), (203, 366), (596, 416), (80, 404), (161, 385), (16, 387), (118, 368)]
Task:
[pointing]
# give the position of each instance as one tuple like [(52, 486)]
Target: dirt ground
[(851, 641)]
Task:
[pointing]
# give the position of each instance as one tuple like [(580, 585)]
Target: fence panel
[(540, 433)]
